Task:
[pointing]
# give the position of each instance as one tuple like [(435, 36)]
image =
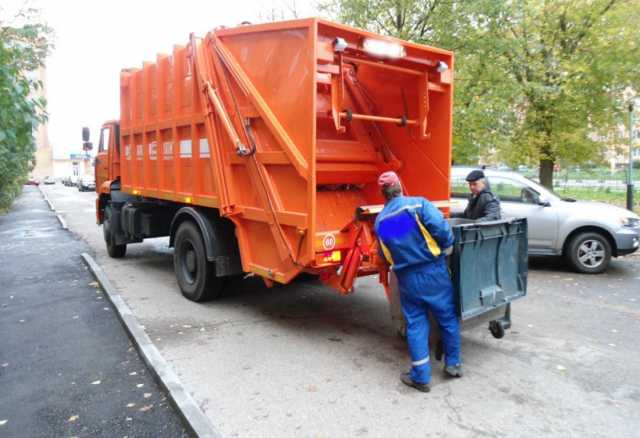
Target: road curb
[(46, 198), (192, 416), (63, 223)]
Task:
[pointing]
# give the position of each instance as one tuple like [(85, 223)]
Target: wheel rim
[(188, 262), (591, 253)]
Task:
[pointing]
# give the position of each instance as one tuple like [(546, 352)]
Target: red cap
[(388, 179)]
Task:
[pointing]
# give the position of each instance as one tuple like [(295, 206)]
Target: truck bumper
[(627, 241)]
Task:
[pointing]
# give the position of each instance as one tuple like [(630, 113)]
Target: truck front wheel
[(114, 250), (195, 274)]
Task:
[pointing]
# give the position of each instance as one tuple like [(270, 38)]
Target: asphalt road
[(67, 367), (300, 360)]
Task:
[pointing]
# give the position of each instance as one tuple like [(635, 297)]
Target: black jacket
[(484, 207)]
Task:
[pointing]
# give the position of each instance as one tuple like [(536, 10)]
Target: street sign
[(79, 157)]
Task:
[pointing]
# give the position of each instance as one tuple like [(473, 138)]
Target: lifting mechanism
[(219, 80)]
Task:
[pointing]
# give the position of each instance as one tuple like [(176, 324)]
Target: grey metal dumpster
[(488, 269)]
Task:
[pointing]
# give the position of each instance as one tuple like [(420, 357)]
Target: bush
[(22, 50)]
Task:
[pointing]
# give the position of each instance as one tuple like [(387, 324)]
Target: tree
[(23, 48), (534, 78), (571, 61)]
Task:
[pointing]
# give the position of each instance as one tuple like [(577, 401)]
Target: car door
[(517, 199)]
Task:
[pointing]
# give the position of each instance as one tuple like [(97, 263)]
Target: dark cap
[(475, 175)]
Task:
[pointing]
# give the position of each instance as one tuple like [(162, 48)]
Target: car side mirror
[(543, 202)]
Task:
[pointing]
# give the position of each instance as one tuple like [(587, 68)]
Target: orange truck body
[(283, 128)]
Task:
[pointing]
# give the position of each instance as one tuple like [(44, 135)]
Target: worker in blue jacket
[(413, 237)]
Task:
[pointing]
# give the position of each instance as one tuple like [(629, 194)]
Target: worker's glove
[(449, 250)]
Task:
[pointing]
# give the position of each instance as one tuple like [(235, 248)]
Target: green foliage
[(534, 78), (23, 49)]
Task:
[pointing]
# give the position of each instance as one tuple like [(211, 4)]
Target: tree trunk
[(546, 173)]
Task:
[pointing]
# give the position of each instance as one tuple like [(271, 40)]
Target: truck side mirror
[(87, 146), (85, 134)]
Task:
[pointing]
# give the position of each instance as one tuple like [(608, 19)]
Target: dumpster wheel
[(497, 329)]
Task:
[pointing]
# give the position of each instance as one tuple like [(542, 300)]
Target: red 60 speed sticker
[(329, 241)]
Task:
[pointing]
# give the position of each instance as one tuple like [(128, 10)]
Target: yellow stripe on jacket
[(431, 243), (386, 252)]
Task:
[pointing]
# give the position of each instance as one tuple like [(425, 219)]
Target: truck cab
[(107, 162)]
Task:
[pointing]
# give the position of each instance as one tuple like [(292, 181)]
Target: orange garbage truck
[(256, 149)]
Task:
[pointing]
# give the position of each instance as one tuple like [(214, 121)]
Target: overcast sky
[(96, 39)]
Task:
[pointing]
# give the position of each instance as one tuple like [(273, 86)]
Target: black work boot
[(453, 370), (407, 380)]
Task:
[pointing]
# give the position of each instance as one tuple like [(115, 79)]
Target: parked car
[(32, 182), (48, 180), (70, 181), (86, 183), (586, 233)]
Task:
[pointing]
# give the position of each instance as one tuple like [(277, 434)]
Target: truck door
[(102, 157)]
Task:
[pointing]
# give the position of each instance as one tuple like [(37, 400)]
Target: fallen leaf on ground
[(186, 326), (94, 284), (561, 368), (133, 373), (96, 382), (3, 422), (6, 364), (145, 408), (73, 418), (130, 405), (147, 395), (139, 385)]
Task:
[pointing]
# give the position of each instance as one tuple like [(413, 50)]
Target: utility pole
[(630, 170)]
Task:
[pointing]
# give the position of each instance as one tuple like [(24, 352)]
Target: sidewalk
[(67, 367)]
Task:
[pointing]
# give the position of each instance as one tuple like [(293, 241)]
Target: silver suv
[(586, 233)]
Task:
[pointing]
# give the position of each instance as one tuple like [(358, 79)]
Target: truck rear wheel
[(195, 274), (114, 250)]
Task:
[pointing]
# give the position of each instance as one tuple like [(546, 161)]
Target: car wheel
[(195, 274), (589, 253), (115, 251)]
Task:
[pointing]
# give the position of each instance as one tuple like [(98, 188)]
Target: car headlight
[(630, 221)]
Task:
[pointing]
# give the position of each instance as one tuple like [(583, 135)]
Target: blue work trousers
[(422, 289)]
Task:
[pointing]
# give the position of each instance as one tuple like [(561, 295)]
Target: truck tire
[(589, 253), (195, 274), (115, 251)]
